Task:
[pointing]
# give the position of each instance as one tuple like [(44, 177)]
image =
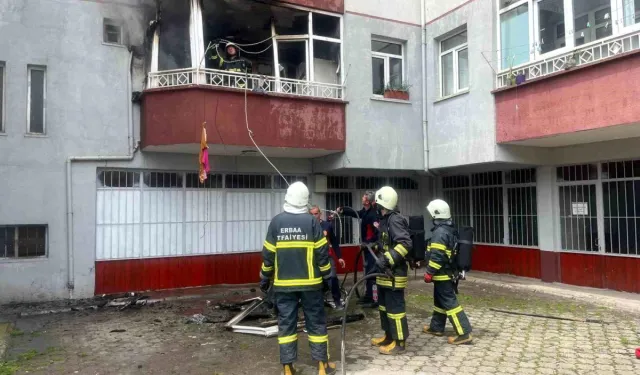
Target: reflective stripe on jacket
[(395, 243), (295, 253)]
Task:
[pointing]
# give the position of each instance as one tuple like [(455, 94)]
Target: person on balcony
[(232, 63)]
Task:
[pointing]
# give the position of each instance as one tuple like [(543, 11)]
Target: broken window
[(174, 43), (326, 61), (255, 28)]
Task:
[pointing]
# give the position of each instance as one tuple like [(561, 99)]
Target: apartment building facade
[(536, 143), (103, 109), (524, 125)]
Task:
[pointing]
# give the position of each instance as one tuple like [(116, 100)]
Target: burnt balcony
[(287, 117)]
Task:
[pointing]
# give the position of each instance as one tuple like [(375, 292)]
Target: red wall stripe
[(119, 276), (508, 260)]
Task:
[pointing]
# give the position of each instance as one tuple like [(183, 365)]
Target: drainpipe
[(132, 147), (423, 44)]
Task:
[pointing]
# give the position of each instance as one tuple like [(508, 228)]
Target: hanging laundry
[(203, 158)]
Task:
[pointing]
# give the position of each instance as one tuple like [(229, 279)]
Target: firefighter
[(233, 62), (327, 230), (295, 257), (440, 271), (368, 233), (394, 245)]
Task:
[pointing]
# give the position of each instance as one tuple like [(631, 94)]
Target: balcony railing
[(253, 82), (579, 56)]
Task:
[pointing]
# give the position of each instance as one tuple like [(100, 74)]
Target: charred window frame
[(322, 36), (112, 32)]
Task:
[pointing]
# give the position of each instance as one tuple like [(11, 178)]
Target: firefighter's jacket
[(395, 244), (237, 64), (440, 249), (295, 253)]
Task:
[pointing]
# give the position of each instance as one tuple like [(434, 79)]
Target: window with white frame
[(112, 31), (2, 79), (23, 241), (534, 29), (387, 62), (484, 200), (37, 95), (454, 65)]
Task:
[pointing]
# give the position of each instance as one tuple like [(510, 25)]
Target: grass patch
[(27, 356), (16, 333), (8, 368)]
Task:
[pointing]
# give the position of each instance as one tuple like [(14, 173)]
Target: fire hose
[(387, 273)]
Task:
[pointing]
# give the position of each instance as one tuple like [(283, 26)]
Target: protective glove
[(428, 278), (264, 285)]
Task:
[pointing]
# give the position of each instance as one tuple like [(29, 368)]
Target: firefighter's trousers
[(393, 314), (446, 305), (315, 322)]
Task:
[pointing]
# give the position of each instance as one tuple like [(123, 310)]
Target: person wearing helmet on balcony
[(440, 272), (295, 258), (233, 62), (394, 244)]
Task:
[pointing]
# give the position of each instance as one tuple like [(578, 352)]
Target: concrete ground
[(156, 339)]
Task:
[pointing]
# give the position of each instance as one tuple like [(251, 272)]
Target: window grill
[(118, 179), (403, 183), (279, 183), (370, 183), (337, 182), (345, 232), (162, 179), (213, 181), (247, 181), (483, 200)]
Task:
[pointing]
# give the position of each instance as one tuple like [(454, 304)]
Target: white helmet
[(297, 195), (439, 209), (387, 197)]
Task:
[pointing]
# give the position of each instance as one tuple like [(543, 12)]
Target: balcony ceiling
[(581, 137), (217, 149)]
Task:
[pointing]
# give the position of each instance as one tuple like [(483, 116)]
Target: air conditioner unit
[(320, 184)]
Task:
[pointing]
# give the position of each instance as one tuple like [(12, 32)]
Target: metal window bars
[(484, 200), (580, 56), (253, 82), (578, 201)]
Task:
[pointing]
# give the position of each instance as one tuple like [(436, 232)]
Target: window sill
[(34, 135), (3, 134), (383, 99), (23, 260), (113, 45), (465, 92)]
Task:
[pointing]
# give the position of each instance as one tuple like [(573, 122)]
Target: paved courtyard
[(155, 340)]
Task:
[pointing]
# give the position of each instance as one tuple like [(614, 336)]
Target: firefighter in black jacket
[(440, 271), (394, 245), (295, 256), (233, 62)]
